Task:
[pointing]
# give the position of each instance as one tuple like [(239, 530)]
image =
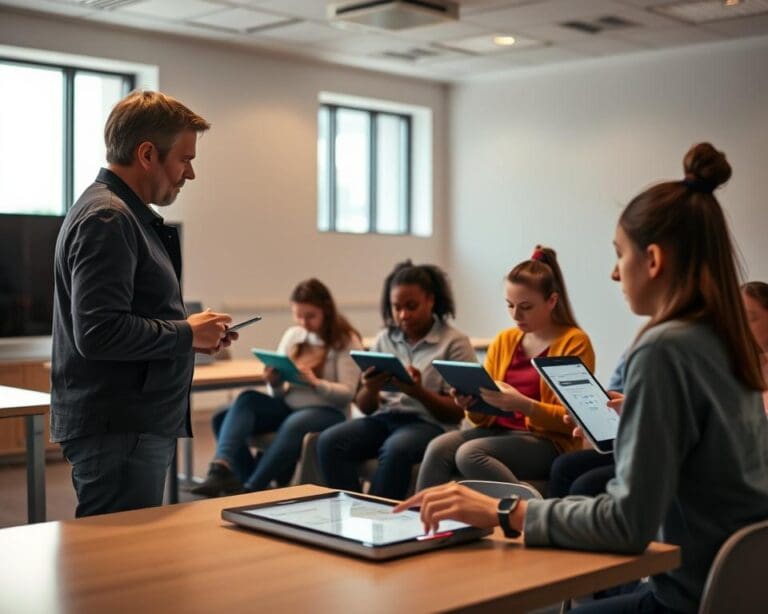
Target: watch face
[(508, 503)]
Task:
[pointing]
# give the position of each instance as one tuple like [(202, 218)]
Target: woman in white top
[(319, 345)]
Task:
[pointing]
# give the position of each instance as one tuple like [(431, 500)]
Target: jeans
[(584, 472), (255, 413), (115, 472), (397, 440)]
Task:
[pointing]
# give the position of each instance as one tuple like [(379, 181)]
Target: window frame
[(407, 151), (69, 73)]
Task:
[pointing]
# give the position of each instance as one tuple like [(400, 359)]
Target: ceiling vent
[(601, 24), (394, 14), (415, 54)]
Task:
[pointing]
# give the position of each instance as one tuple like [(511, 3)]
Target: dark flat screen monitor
[(27, 247)]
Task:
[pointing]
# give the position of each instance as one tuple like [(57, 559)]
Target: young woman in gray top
[(692, 447)]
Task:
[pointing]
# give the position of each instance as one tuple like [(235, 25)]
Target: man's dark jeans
[(114, 472)]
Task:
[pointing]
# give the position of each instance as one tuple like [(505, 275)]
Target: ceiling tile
[(170, 9), (545, 12), (302, 32), (601, 45), (668, 37), (61, 7), (238, 19), (443, 31), (742, 27), (305, 9)]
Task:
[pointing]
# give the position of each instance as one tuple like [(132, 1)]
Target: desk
[(218, 375), (184, 558), (32, 406)]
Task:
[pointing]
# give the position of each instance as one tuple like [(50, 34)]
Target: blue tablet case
[(468, 378), (384, 363), (281, 363)]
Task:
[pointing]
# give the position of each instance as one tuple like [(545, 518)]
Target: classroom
[(491, 184)]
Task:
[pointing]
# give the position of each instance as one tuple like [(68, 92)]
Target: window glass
[(352, 152), (391, 174), (323, 173), (31, 139)]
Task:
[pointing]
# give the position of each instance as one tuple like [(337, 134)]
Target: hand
[(452, 501), (208, 330), (507, 398), (374, 381), (465, 401), (308, 375), (409, 389), (617, 401), (272, 376)]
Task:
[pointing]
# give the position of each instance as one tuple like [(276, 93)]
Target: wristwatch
[(504, 510)]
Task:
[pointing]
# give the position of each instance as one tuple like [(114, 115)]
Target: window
[(51, 132), (364, 170)]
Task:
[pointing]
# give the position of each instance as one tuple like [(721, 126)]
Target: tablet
[(354, 524), (282, 364), (582, 396), (383, 363), (468, 378)]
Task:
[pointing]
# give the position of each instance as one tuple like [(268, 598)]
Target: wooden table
[(32, 406), (184, 558)]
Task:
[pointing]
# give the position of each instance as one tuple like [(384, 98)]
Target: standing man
[(122, 341)]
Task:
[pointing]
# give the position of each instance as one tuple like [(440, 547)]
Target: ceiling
[(452, 52)]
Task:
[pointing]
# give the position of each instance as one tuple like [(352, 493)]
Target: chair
[(499, 490), (736, 580)]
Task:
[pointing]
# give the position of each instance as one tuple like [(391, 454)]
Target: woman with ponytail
[(522, 444), (692, 446), (415, 305)]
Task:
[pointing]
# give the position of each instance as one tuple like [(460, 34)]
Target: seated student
[(415, 305), (755, 296), (587, 472), (319, 345), (692, 446), (522, 445)]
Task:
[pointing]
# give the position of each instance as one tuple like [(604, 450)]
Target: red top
[(522, 375)]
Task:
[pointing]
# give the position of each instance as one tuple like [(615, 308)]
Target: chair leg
[(565, 606)]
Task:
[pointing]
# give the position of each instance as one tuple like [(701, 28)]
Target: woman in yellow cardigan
[(522, 444)]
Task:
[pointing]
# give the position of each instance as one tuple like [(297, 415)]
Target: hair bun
[(704, 163)]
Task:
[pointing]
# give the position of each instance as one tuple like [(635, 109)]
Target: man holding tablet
[(122, 341)]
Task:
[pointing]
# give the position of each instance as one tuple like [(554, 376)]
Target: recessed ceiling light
[(489, 43), (503, 40)]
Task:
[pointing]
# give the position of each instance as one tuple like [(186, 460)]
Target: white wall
[(250, 216), (552, 155)]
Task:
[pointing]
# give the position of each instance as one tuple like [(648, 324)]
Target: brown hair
[(147, 116), (757, 290), (542, 273), (685, 218), (337, 332)]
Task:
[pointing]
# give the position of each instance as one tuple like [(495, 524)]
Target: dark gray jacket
[(122, 350)]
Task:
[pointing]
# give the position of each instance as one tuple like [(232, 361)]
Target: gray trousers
[(495, 454)]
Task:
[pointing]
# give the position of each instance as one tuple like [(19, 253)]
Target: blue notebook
[(282, 364), (383, 363)]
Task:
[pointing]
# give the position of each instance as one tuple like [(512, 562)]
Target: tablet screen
[(585, 398), (346, 516)]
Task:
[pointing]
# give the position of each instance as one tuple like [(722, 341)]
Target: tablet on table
[(355, 524), (468, 378)]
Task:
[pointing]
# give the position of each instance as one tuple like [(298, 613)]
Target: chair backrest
[(499, 490), (736, 580)]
